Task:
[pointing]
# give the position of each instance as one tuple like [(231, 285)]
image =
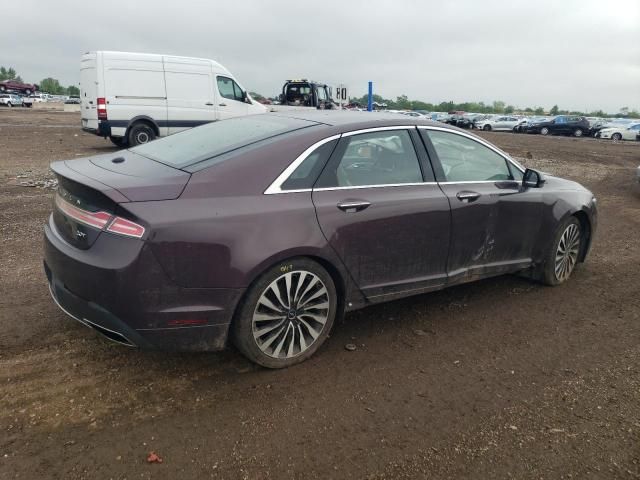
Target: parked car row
[(572, 125)]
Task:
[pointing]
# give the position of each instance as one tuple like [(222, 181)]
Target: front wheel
[(287, 314), (616, 136), (564, 252), (544, 131), (487, 128)]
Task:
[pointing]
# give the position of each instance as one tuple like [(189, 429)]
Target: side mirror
[(532, 179)]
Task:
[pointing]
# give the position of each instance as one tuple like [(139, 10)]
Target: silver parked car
[(10, 100)]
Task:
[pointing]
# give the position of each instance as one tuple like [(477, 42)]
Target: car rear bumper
[(130, 300)]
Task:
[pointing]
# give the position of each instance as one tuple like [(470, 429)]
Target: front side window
[(376, 158), (321, 94), (230, 89), (466, 160)]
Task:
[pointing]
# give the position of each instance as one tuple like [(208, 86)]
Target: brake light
[(125, 227), (100, 220), (102, 108)]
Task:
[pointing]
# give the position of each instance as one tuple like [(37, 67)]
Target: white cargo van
[(133, 98)]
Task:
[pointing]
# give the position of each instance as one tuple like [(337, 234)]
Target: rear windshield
[(217, 138)]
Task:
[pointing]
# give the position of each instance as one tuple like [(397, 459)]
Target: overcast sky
[(579, 54)]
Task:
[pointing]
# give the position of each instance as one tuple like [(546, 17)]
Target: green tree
[(554, 110), (539, 111), (498, 106), (52, 86), (73, 90), (403, 103), (9, 74), (509, 109)]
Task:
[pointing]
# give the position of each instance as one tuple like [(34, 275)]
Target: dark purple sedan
[(264, 229)]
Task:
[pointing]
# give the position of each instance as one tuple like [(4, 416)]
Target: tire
[(141, 133), (578, 132), (9, 104), (119, 141), (544, 131), (616, 136), (270, 333), (487, 128), (564, 252)]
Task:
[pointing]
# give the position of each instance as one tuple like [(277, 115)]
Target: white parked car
[(503, 122), (620, 132), (10, 100), (133, 98)]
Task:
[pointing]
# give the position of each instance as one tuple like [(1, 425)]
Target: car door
[(494, 219), (382, 212), (498, 123), (231, 98)]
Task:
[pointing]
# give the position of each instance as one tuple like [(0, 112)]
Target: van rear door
[(88, 91), (190, 100)]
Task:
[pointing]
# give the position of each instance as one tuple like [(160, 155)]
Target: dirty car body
[(156, 246)]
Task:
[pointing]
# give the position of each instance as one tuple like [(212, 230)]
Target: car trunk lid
[(93, 192)]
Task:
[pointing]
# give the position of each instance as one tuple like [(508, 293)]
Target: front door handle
[(352, 207), (467, 196), (209, 104), (222, 104)]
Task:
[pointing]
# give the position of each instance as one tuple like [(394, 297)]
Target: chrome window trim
[(274, 188), (378, 129), (504, 155), (354, 187)]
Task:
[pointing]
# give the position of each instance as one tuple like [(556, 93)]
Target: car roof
[(349, 120)]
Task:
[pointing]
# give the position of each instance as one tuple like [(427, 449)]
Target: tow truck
[(306, 93)]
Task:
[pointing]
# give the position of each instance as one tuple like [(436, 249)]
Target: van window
[(230, 89)]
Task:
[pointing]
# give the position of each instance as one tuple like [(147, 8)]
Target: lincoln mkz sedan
[(262, 230)]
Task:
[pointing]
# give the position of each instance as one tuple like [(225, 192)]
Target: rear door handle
[(468, 197), (209, 104), (222, 104), (352, 207)]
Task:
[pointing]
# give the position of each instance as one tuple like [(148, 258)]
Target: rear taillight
[(125, 227), (102, 108), (100, 220)]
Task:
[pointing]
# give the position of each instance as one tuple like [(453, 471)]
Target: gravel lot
[(499, 379)]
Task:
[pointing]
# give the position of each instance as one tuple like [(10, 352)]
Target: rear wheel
[(616, 136), (119, 141), (563, 254), (544, 131), (577, 132), (141, 133), (287, 314)]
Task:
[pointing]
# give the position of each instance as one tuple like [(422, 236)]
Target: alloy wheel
[(290, 314), (567, 252)]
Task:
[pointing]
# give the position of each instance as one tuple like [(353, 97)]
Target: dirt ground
[(498, 379)]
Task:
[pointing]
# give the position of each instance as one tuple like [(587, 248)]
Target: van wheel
[(119, 141), (141, 133)]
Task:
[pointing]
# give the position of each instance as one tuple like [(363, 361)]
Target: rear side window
[(370, 159), (308, 171)]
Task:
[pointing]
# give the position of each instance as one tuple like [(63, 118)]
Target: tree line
[(47, 85)]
